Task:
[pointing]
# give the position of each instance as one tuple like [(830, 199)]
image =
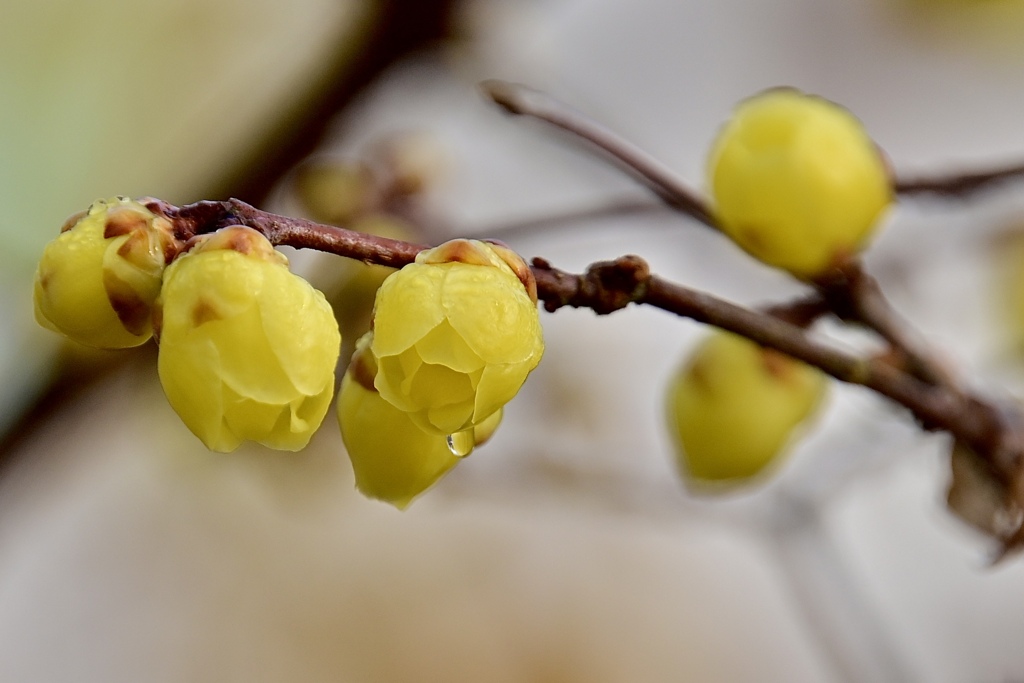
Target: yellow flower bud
[(734, 407), (797, 182), (247, 349), (96, 283), (455, 334), (393, 459)]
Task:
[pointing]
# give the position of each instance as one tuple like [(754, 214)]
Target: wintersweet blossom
[(455, 334), (393, 459), (97, 281), (797, 182), (735, 405), (247, 348)]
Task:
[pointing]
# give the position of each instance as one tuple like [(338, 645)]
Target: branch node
[(611, 285)]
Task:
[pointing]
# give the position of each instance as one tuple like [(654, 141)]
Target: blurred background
[(567, 549)]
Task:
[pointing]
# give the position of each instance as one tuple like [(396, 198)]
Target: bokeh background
[(567, 549)]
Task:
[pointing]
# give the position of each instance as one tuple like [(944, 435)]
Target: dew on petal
[(461, 443)]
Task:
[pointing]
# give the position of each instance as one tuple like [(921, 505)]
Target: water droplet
[(461, 443)]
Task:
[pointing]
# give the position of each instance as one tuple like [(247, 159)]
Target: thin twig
[(958, 185), (855, 296), (912, 376), (297, 232), (852, 294), (519, 99), (802, 312), (525, 101)]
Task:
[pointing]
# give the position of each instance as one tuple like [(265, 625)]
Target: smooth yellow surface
[(393, 459), (247, 350), (797, 182), (454, 341), (734, 406)]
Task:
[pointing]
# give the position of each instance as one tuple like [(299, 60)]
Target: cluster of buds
[(797, 183), (454, 336), (248, 350)]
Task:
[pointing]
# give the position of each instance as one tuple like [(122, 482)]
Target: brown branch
[(203, 217), (610, 286), (912, 375), (519, 99), (854, 295), (851, 293), (522, 100), (993, 431), (909, 374), (958, 184), (802, 312)]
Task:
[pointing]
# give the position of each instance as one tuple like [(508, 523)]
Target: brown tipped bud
[(97, 282), (518, 266), (238, 238)]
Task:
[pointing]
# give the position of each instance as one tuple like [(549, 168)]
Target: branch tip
[(504, 94)]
